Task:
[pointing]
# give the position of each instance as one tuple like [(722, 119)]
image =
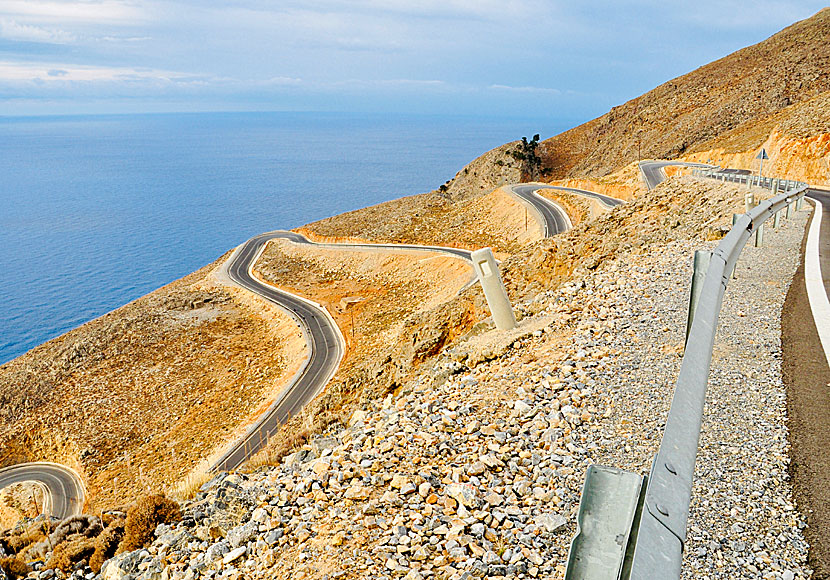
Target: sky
[(569, 60)]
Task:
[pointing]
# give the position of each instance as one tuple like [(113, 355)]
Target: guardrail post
[(749, 201), (699, 268), (759, 235), (799, 203), (789, 209), (487, 270), (776, 221), (735, 217)]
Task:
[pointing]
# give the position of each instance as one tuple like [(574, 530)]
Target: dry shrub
[(89, 526), (106, 544), (142, 519), (70, 552), (14, 567)]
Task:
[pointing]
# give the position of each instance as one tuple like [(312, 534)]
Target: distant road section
[(606, 200), (63, 488), (653, 170), (554, 218)]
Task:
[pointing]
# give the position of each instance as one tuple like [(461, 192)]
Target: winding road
[(63, 489), (653, 170), (326, 343)]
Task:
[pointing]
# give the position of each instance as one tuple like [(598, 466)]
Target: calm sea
[(97, 211)]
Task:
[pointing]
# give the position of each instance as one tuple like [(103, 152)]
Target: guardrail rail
[(643, 540)]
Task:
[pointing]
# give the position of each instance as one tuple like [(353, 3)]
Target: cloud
[(13, 30), (525, 89), (90, 11)]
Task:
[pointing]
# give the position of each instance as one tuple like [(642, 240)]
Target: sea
[(96, 211)]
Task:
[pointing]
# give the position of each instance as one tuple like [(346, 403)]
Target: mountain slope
[(748, 85)]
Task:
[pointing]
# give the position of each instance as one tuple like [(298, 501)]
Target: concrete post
[(484, 264), (759, 235), (701, 265)]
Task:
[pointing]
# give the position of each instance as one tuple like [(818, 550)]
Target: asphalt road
[(554, 219), (806, 374), (653, 170), (606, 200), (63, 488), (326, 344)]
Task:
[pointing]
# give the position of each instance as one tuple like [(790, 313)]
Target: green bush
[(142, 519)]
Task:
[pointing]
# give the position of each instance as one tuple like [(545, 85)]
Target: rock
[(476, 468), (123, 566), (217, 550), (551, 522), (242, 534), (273, 536), (398, 481), (522, 408), (357, 492), (463, 493), (234, 554)]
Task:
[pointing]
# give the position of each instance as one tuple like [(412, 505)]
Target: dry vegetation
[(137, 398), (85, 538)]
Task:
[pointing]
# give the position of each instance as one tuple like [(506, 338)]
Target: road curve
[(64, 490), (606, 200), (554, 219), (653, 170), (326, 343)]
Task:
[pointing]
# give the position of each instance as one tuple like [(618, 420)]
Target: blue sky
[(532, 58)]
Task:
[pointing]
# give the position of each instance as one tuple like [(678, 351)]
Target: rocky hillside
[(741, 89), (473, 467)]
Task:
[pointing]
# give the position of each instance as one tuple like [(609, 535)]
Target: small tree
[(531, 162)]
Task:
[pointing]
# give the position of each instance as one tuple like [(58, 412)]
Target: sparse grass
[(188, 487)]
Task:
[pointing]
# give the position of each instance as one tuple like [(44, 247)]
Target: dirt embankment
[(137, 398), (796, 139)]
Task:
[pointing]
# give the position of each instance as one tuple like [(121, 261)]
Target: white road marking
[(819, 303)]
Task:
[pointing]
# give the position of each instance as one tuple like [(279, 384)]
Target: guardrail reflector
[(607, 509)]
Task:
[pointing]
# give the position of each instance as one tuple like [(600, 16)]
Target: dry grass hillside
[(747, 86), (137, 398), (470, 220)]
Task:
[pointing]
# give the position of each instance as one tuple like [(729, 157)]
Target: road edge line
[(813, 280)]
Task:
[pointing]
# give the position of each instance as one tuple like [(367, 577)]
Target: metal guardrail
[(658, 528)]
